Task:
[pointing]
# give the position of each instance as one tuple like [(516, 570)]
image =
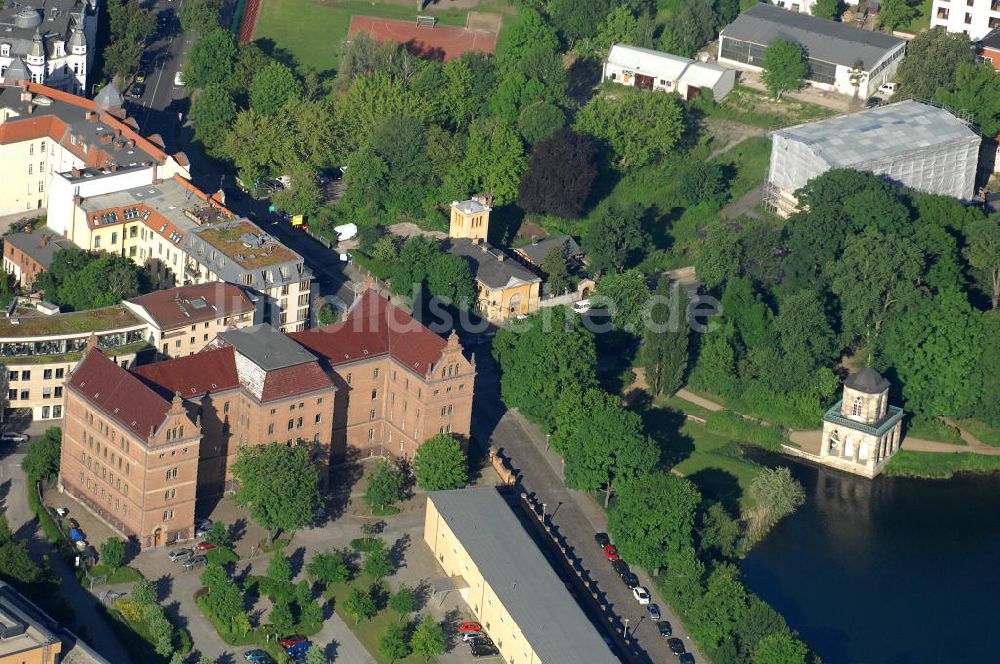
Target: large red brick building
[(141, 446)]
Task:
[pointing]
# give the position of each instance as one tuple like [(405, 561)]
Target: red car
[(610, 552), (205, 546), (290, 641), (469, 627)]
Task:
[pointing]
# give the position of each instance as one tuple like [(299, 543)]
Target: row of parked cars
[(641, 596), (193, 558), (295, 647), (479, 643)]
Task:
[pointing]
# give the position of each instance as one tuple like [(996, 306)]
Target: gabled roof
[(375, 327), (187, 305), (490, 267), (192, 376), (536, 252), (120, 395), (822, 39), (649, 62), (40, 244)]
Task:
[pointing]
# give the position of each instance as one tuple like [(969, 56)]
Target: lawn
[(940, 464), (982, 431), (368, 631), (922, 20), (312, 31), (755, 107), (746, 163), (122, 574), (712, 461), (933, 430)]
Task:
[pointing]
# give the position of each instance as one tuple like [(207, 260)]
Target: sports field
[(440, 42), (312, 30)]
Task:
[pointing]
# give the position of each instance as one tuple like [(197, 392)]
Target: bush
[(221, 556)]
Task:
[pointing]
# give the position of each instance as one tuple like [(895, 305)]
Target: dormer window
[(856, 407)]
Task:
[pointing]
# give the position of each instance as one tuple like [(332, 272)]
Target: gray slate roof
[(881, 133), (109, 97), (524, 582), (536, 252), (487, 267), (31, 244), (267, 347), (868, 381), (822, 39), (19, 21)]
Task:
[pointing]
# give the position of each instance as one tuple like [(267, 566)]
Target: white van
[(581, 306)]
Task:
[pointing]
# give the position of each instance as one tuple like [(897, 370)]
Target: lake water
[(888, 571)]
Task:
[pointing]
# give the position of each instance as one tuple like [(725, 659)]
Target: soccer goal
[(426, 21)]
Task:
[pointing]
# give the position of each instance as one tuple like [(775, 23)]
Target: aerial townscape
[(513, 331)]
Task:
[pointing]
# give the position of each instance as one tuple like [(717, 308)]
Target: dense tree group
[(78, 280)]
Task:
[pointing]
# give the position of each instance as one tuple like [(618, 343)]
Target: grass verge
[(221, 556), (984, 432), (935, 430), (122, 574), (939, 465), (136, 638)]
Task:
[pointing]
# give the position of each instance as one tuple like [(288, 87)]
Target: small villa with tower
[(861, 432)]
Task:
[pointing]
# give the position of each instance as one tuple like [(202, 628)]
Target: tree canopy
[(440, 463), (560, 174), (653, 515), (638, 128), (931, 63), (784, 67), (279, 485)]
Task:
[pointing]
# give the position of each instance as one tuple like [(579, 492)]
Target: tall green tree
[(200, 15), (653, 517), (392, 644), (976, 91), (210, 60), (281, 616), (718, 612), (540, 362), (690, 25), (616, 239), (360, 605), (560, 174), (41, 461), (273, 87), (578, 18), (931, 63), (806, 339), (557, 270), (605, 445), (15, 562), (869, 278), (279, 569), (377, 563), (304, 195), (212, 112), (385, 485), (328, 567), (279, 484), (113, 552), (428, 638), (988, 405), (983, 251), (781, 649), (440, 463), (664, 353), (638, 128), (784, 67), (830, 9), (626, 296), (896, 14), (935, 347), (403, 601), (494, 161)]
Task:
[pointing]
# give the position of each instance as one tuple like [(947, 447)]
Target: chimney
[(131, 142), (114, 166), (118, 131), (30, 109), (91, 116), (26, 95), (76, 173), (500, 256), (43, 240), (78, 199), (91, 342)]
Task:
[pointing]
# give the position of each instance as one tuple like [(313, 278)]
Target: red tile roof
[(192, 376), (118, 394), (177, 306), (373, 327), (299, 379), (214, 370)]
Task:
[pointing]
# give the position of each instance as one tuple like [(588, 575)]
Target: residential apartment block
[(55, 145), (52, 45), (142, 445), (185, 319), (976, 18)]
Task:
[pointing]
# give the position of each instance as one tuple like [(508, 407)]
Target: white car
[(888, 88), (581, 306), (179, 79), (641, 595), (13, 437)]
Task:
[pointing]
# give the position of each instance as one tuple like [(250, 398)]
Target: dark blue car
[(299, 648)]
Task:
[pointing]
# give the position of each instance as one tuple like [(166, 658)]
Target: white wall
[(979, 15)]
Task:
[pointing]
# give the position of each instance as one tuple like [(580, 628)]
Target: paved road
[(577, 516), (14, 504)]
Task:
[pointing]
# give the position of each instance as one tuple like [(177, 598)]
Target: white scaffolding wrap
[(915, 144)]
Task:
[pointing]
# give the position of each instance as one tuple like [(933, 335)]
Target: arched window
[(856, 406)]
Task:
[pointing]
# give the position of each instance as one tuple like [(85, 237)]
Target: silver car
[(180, 554), (197, 561)]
